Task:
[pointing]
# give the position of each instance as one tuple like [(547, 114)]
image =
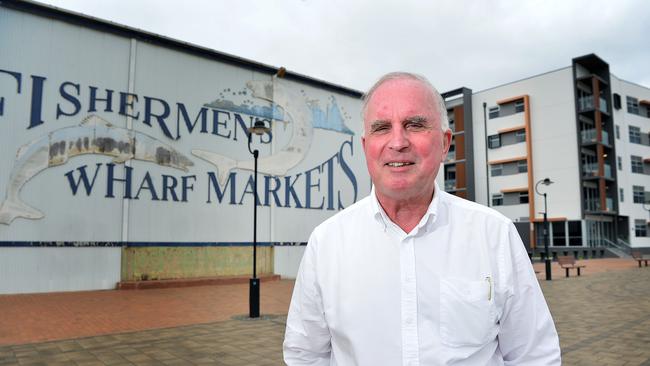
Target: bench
[(569, 262), (639, 257)]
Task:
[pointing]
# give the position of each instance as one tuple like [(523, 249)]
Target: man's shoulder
[(471, 210), (349, 215)]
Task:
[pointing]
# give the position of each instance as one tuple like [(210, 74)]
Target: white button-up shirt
[(458, 289)]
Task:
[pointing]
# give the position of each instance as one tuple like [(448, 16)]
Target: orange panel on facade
[(460, 147), (459, 115), (461, 181)]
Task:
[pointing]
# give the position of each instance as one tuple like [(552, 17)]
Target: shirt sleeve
[(527, 335), (307, 339)]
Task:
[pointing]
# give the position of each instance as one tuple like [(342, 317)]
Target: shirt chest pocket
[(467, 312)]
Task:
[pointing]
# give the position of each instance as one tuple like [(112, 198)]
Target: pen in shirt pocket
[(489, 281)]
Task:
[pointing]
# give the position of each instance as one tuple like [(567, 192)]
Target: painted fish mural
[(288, 108), (92, 136)]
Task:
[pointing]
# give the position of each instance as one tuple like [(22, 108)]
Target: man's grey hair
[(442, 109)]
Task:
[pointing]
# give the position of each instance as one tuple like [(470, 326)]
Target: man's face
[(403, 143)]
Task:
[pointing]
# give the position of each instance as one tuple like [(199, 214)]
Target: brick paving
[(603, 318)]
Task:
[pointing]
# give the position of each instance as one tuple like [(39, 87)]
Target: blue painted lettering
[(128, 100), (70, 98), (289, 192), (148, 185), (212, 182), (271, 191), (110, 179), (181, 112), (18, 77), (35, 118), (187, 186), (309, 186), (83, 178), (94, 100), (348, 172)]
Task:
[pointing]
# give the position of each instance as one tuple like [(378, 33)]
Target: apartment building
[(581, 127)]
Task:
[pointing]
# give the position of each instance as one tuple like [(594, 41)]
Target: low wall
[(160, 263)]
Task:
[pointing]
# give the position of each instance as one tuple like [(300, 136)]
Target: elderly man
[(412, 275)]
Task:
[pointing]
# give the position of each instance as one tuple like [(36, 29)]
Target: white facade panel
[(286, 260), (514, 212), (508, 151), (500, 123), (508, 182), (554, 140), (28, 270)]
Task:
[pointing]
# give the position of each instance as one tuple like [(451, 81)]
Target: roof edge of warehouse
[(73, 17)]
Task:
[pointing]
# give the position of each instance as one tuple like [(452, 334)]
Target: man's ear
[(446, 141)]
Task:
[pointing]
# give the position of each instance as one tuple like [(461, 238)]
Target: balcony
[(590, 136), (450, 185), (603, 105), (593, 205), (591, 170), (587, 103)]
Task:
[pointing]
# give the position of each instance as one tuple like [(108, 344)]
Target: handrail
[(620, 244)]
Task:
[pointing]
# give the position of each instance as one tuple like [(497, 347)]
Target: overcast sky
[(477, 44)]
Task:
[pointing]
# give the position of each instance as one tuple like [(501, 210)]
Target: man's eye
[(414, 125), (380, 128)]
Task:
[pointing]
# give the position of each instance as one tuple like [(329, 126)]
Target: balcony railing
[(450, 185), (591, 170), (590, 136), (585, 103), (594, 204), (610, 204)]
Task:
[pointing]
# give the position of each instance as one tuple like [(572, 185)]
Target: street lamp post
[(547, 259), (259, 128)]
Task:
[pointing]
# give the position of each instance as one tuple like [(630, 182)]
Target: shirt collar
[(428, 219)]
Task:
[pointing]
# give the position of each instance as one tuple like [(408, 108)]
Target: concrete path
[(603, 318)]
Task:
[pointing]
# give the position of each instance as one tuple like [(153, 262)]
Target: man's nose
[(398, 139)]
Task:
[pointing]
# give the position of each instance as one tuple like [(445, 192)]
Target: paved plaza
[(603, 318)]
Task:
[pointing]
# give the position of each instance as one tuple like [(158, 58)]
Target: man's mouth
[(397, 164)]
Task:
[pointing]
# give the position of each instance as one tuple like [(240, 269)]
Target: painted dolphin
[(92, 136), (290, 155)]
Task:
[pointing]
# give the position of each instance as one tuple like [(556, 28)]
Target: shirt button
[(409, 321)]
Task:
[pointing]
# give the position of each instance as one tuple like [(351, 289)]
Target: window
[(497, 169), (620, 195), (638, 194), (637, 164), (494, 112), (497, 199), (522, 166), (632, 105), (559, 233), (617, 101), (640, 228), (619, 162), (575, 233), (618, 132), (494, 141), (635, 134), (519, 106), (520, 135), (523, 197)]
